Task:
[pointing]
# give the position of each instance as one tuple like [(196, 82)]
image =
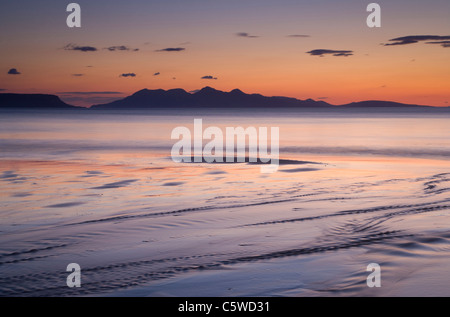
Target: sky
[(321, 49)]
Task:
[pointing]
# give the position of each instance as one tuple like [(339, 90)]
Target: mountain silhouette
[(32, 101), (206, 98)]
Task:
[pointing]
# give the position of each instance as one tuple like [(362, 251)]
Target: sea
[(100, 189)]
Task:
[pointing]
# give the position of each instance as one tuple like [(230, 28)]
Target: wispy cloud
[(209, 77), (86, 48), (77, 75), (121, 48), (157, 74), (444, 41), (13, 71), (298, 36), (171, 49), (322, 53), (3, 89), (247, 35), (88, 93), (74, 47), (127, 75)]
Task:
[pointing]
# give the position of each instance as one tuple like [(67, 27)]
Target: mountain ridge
[(205, 98), (208, 97)]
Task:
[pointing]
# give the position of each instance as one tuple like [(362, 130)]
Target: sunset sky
[(258, 46)]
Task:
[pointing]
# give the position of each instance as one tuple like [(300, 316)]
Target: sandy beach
[(101, 190)]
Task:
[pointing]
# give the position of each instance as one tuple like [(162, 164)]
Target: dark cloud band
[(412, 39), (73, 47), (121, 48), (338, 53), (128, 75), (209, 77), (171, 49), (442, 43)]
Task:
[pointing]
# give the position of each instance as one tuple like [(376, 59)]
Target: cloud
[(13, 71), (73, 47), (171, 49), (412, 39), (157, 74), (322, 98), (87, 93), (442, 43), (297, 36), (321, 53), (127, 75), (77, 75), (3, 89), (121, 48), (209, 77), (244, 34)]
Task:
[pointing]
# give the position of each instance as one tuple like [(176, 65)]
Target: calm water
[(101, 190)]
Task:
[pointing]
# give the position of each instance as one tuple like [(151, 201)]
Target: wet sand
[(141, 225)]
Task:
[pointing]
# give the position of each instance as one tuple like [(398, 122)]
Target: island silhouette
[(207, 98)]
